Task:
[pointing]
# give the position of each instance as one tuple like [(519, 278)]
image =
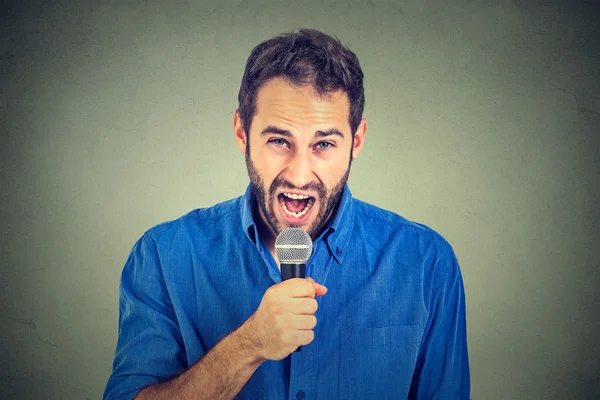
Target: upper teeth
[(296, 196)]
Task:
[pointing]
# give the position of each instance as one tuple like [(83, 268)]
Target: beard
[(328, 202)]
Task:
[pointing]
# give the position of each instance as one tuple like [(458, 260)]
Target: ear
[(359, 138), (239, 132)]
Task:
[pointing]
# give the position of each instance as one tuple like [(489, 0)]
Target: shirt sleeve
[(442, 369), (149, 347)]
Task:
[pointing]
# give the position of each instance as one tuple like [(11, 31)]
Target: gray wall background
[(484, 123)]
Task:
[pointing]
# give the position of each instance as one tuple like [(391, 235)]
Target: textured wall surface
[(484, 123)]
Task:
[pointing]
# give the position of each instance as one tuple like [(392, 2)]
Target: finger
[(303, 306), (293, 286), (302, 322), (320, 290), (306, 337), (301, 287)]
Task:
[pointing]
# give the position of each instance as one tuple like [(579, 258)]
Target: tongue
[(295, 205)]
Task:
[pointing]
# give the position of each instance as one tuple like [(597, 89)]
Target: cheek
[(266, 164), (331, 173)]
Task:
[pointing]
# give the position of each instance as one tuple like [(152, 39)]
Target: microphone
[(293, 247)]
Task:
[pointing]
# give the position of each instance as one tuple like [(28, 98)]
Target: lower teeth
[(301, 213)]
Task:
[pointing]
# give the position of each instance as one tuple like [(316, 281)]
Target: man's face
[(298, 155)]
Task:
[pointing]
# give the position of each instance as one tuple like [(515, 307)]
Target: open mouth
[(296, 205)]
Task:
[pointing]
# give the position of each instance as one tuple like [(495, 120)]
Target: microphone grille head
[(293, 245)]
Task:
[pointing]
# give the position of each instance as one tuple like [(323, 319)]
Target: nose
[(299, 171)]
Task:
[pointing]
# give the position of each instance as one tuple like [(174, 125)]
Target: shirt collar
[(248, 203), (335, 236)]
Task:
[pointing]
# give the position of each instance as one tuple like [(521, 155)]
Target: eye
[(278, 142), (324, 145)]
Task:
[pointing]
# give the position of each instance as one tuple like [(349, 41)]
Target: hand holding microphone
[(285, 318)]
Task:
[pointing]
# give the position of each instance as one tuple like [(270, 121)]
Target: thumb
[(320, 290)]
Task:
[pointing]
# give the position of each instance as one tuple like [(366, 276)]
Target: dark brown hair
[(308, 57)]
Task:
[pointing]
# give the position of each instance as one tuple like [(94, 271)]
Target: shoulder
[(196, 223), (415, 244), (381, 222)]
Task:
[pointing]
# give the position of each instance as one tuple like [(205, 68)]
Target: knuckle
[(272, 308), (292, 282), (309, 287), (310, 336), (286, 337), (269, 293), (277, 306)]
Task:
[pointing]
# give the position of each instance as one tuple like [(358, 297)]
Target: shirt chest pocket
[(377, 363)]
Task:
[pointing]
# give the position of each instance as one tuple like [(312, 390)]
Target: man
[(203, 311)]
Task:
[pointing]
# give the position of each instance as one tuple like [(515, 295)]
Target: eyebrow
[(286, 133)]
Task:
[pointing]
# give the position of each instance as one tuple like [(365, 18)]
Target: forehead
[(277, 99)]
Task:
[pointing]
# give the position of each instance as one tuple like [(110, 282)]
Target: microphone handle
[(293, 270)]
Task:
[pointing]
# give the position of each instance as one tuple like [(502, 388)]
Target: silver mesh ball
[(293, 245)]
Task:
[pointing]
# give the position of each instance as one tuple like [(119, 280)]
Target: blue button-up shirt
[(391, 326)]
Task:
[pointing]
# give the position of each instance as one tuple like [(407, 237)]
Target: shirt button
[(300, 395), (338, 251)]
